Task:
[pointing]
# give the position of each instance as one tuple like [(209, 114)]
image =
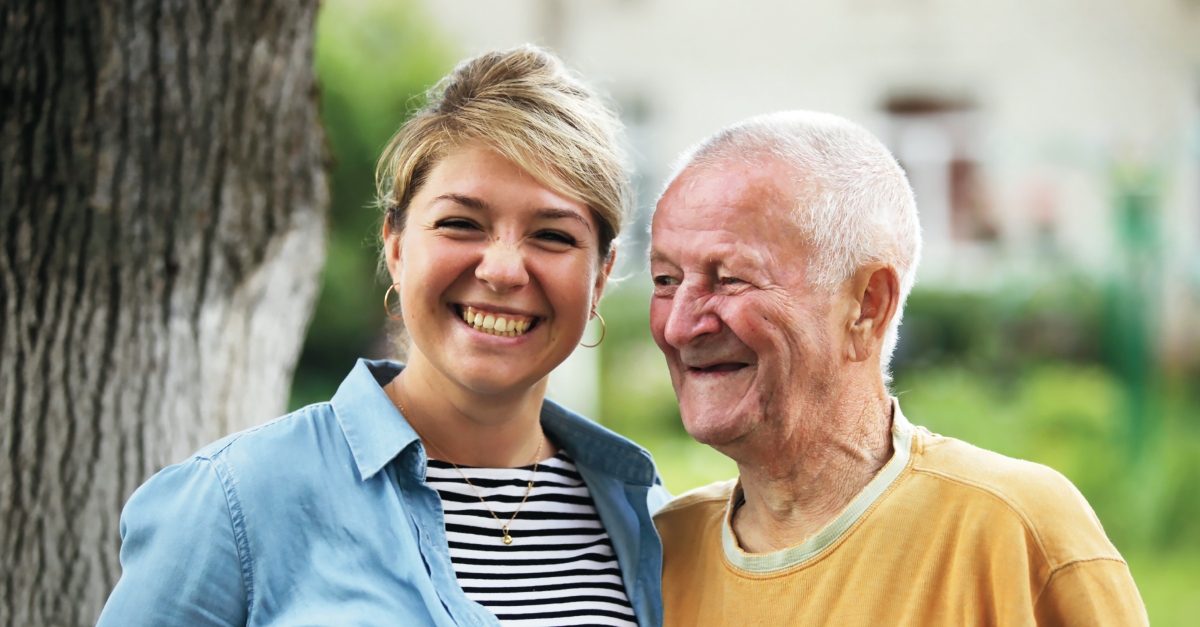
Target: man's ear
[(602, 277), (876, 288)]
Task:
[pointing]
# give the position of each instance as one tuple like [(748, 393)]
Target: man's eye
[(731, 280), (665, 280), (558, 237)]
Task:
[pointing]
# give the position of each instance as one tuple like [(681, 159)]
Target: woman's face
[(487, 247)]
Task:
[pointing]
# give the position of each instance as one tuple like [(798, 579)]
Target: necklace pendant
[(507, 538)]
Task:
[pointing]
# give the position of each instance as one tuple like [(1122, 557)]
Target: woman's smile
[(496, 321)]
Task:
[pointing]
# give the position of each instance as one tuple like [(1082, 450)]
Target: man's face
[(747, 340)]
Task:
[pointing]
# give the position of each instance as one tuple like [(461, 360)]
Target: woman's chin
[(491, 383), (496, 377)]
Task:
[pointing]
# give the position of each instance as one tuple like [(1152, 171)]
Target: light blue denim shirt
[(323, 517)]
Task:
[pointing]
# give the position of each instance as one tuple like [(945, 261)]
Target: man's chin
[(714, 430)]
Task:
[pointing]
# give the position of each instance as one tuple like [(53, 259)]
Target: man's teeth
[(507, 325)]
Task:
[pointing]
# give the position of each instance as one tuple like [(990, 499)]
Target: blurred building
[(1022, 123)]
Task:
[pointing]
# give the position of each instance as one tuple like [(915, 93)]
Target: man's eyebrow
[(552, 213)]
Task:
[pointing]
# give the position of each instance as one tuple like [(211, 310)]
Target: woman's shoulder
[(307, 426), (301, 460), (305, 442)]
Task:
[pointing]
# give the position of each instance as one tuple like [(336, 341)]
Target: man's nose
[(690, 316), (503, 267)]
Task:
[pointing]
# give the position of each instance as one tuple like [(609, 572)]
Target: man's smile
[(718, 367)]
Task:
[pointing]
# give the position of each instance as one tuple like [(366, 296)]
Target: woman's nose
[(502, 267)]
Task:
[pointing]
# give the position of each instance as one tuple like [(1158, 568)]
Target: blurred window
[(638, 116), (935, 141)]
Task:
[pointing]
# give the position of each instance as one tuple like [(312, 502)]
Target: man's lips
[(718, 367)]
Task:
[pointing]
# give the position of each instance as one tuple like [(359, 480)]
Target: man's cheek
[(676, 376), (659, 312)]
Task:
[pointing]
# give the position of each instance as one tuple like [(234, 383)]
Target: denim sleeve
[(180, 558)]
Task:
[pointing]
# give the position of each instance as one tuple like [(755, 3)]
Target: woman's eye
[(557, 237), (665, 280), (731, 280), (455, 223)]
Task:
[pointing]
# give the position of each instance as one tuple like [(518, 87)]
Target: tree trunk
[(162, 198)]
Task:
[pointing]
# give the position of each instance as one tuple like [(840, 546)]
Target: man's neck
[(801, 480)]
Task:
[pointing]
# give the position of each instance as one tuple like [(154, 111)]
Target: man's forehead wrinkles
[(726, 256), (711, 248)]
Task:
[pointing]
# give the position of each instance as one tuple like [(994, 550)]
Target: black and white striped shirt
[(560, 568)]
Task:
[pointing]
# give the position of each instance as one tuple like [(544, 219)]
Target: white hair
[(856, 205)]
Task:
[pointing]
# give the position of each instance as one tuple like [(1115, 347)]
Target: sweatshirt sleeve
[(180, 557), (1091, 592)]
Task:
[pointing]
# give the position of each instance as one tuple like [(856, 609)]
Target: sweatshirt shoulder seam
[(1070, 564), (999, 496)]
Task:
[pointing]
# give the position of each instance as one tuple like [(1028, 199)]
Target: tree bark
[(162, 199)]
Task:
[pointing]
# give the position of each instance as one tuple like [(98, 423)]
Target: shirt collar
[(592, 445), (374, 428), (377, 432)]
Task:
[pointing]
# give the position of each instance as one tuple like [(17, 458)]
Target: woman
[(447, 492)]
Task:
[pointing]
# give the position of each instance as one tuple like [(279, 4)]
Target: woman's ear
[(602, 277), (391, 252)]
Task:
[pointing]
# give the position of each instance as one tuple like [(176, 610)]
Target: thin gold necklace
[(506, 538)]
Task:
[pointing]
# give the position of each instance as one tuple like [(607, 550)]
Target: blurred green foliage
[(374, 59), (1060, 371)]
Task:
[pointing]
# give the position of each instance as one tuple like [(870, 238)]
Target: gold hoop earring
[(385, 302), (603, 331)]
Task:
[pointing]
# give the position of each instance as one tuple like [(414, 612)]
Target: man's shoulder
[(694, 503), (1038, 497), (693, 519), (1024, 485)]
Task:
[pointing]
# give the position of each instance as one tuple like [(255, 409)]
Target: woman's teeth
[(508, 325)]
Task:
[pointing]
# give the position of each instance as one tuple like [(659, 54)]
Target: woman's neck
[(462, 426)]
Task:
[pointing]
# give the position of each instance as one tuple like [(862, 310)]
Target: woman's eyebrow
[(548, 213), (551, 213), (469, 202)]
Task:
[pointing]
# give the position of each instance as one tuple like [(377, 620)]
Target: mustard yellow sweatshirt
[(946, 534)]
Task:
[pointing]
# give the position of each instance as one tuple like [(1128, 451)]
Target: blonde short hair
[(524, 104)]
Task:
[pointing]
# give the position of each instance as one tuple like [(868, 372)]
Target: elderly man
[(783, 250)]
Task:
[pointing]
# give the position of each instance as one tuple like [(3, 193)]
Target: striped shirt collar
[(902, 441), (377, 432)]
